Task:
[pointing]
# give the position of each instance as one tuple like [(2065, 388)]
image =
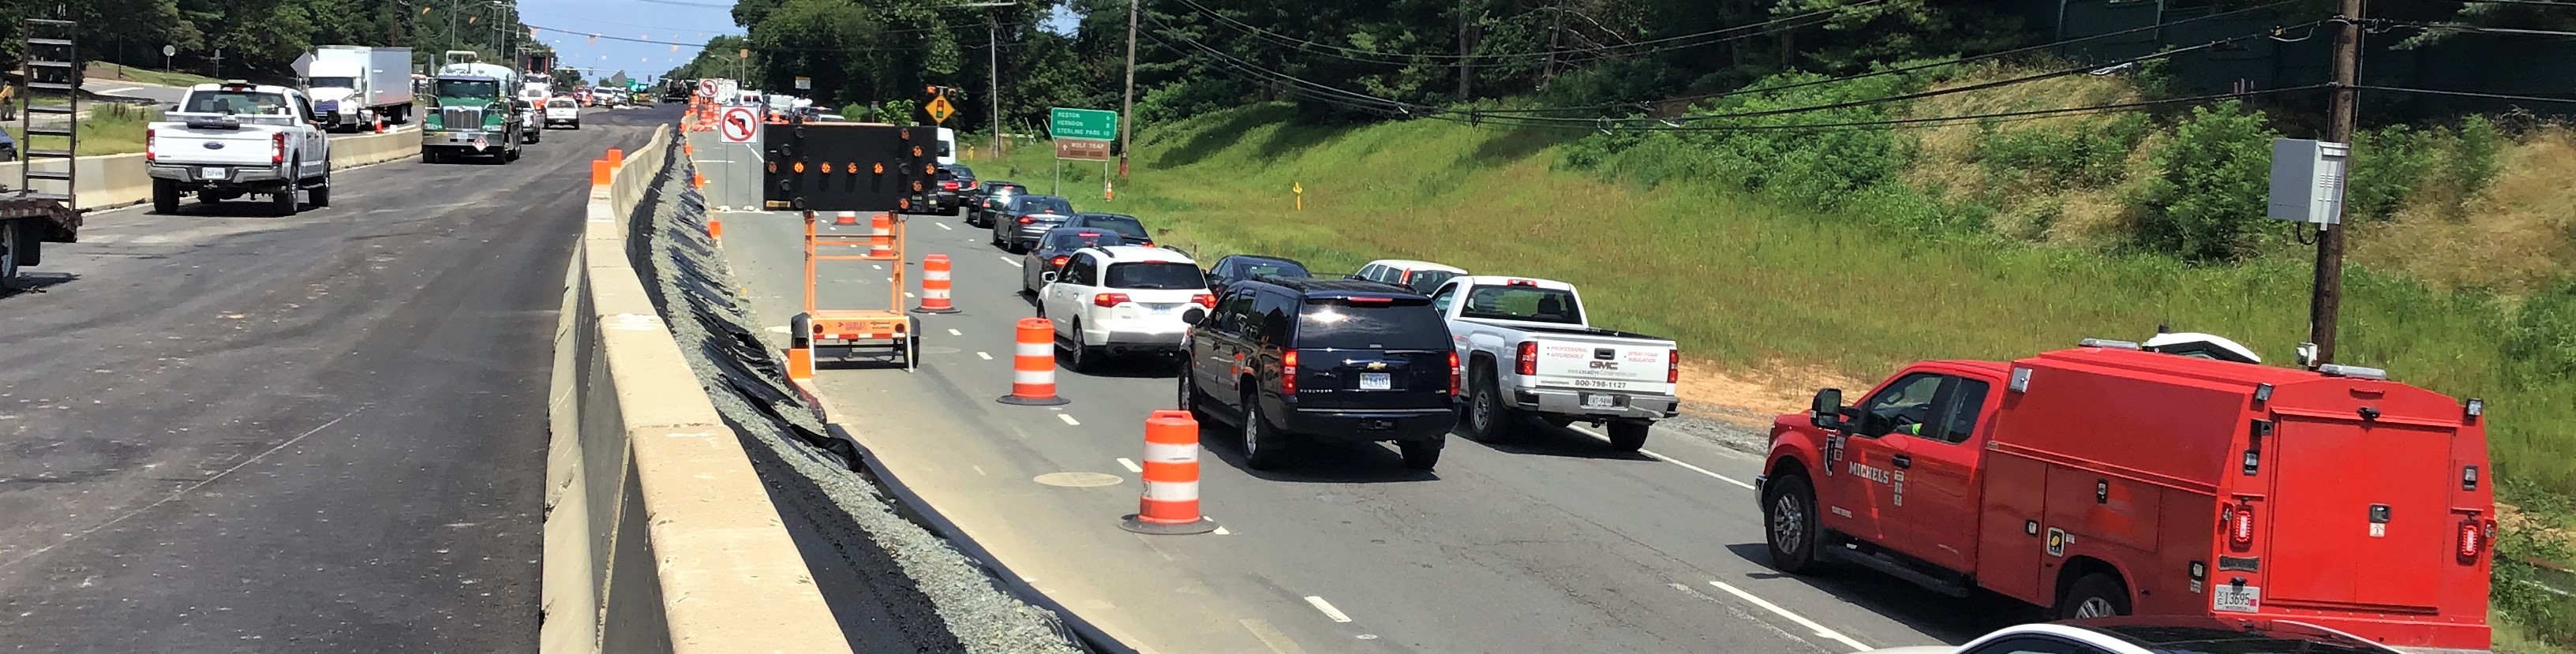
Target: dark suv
[(956, 183), (1322, 360)]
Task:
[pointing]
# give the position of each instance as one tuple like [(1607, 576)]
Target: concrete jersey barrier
[(660, 536), (116, 180)]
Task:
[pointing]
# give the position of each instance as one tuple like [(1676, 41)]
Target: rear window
[(1079, 240), (1155, 275), (1525, 303), (1257, 268), (1426, 281), (961, 171), (1121, 224), (245, 103), (1397, 324), (1044, 204), (562, 103)]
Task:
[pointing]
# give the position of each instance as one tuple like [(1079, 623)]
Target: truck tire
[(1628, 435), (12, 247), (1260, 442), (1487, 419), (1789, 525), (1423, 454), (2094, 595), (165, 196), (320, 195), (284, 202)]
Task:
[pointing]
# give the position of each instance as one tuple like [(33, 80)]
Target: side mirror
[(1048, 276), (1194, 315), (1826, 412)]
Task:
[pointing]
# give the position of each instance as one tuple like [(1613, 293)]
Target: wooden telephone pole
[(2326, 301), (1127, 106)]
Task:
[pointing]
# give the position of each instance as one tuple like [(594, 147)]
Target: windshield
[(471, 89), (1529, 303), (1155, 275), (247, 103), (1402, 324), (332, 83), (1123, 225), (1083, 239), (1045, 204), (961, 172), (1426, 281), (1257, 267), (1004, 189)]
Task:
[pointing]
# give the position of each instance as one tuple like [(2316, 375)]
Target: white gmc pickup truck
[(1528, 351), (233, 139)]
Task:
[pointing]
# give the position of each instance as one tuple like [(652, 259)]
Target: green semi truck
[(473, 113)]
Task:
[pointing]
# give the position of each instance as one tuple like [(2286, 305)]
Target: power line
[(2468, 94), (2527, 3), (756, 47), (1362, 54)]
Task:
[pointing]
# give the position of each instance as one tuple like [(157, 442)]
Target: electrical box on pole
[(2308, 180)]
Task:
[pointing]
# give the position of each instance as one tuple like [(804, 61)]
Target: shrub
[(2471, 162), (2087, 156), (2388, 164), (2540, 344), (2214, 175)]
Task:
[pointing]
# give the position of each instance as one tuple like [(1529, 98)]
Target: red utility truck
[(2110, 480)]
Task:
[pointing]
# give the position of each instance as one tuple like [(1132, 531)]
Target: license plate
[(1376, 381), (1600, 401), (213, 172), (2239, 599)]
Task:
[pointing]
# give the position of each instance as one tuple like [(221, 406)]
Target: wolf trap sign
[(847, 167)]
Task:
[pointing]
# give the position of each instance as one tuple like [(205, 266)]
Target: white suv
[(1121, 299), (562, 110)]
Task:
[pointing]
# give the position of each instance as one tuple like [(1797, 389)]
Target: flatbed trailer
[(28, 220), (847, 330)]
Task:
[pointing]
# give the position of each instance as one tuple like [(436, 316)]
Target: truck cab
[(471, 115), (2109, 479)]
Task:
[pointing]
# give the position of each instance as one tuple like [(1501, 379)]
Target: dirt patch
[(1751, 396)]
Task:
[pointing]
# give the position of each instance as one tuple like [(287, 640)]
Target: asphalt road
[(1553, 543), (226, 431)]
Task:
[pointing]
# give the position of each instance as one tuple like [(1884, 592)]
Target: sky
[(568, 24)]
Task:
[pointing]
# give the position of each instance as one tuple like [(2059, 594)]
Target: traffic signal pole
[(2325, 302)]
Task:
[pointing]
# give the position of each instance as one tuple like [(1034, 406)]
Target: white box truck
[(353, 85)]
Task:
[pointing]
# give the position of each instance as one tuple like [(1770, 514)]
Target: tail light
[(1026, 220), (148, 136), (277, 150), (1108, 299), (949, 185), (2240, 525), (1528, 364), (1288, 373), (2473, 538), (1453, 372), (1058, 261), (1673, 366), (1207, 300)]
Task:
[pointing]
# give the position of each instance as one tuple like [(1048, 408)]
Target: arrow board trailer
[(860, 168)]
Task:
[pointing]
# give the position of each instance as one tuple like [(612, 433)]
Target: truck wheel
[(284, 202), (9, 255), (320, 195), (1422, 455), (1628, 435), (1789, 524), (165, 196), (2096, 595), (1260, 443), (1487, 419)]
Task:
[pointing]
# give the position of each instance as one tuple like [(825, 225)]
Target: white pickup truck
[(1528, 351), (233, 139)]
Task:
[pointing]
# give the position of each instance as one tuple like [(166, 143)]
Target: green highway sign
[(1082, 124)]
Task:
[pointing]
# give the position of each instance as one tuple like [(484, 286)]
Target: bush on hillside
[(2541, 343), (2471, 162), (1166, 103), (2090, 156), (1773, 155), (2388, 164), (2209, 193)]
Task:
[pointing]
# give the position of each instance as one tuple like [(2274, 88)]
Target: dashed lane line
[(944, 226), (1793, 617), (1068, 419), (1015, 263), (1667, 459), (1130, 465), (986, 357), (1327, 607), (953, 332)]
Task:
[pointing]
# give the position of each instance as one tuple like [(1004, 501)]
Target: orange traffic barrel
[(934, 286), (881, 235), (1170, 504), (1033, 365), (846, 218), (599, 172)]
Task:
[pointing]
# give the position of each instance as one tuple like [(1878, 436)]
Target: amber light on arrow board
[(800, 168), (880, 169)]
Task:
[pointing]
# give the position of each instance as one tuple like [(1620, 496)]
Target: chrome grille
[(461, 117)]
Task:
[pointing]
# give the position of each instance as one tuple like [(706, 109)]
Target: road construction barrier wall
[(659, 536), (117, 180)]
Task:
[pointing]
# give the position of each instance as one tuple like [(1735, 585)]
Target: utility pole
[(2326, 302), (993, 35), (1127, 107), (1555, 21), (1463, 69)]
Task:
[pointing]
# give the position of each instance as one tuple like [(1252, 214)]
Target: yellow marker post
[(1300, 190)]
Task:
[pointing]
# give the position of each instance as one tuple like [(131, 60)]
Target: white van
[(947, 146)]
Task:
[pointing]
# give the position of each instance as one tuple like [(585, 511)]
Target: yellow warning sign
[(940, 110)]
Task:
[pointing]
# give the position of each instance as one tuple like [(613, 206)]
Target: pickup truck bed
[(1527, 352)]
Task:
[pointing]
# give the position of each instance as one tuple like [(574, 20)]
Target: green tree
[(2209, 195)]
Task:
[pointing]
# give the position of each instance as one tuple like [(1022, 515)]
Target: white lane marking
[(185, 491), (986, 357), (907, 293), (1793, 617), (1327, 608), (979, 471), (1220, 529), (1270, 637), (1015, 263), (114, 91), (1068, 419), (873, 266), (1651, 453), (1131, 465), (953, 332), (944, 226)]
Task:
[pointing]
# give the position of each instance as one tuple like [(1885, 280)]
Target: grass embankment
[(109, 129), (1771, 299)]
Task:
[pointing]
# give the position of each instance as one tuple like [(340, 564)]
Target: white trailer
[(353, 85)]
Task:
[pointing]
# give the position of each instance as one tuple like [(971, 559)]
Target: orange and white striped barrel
[(1170, 504), (881, 235), (846, 218), (1033, 365), (934, 286)]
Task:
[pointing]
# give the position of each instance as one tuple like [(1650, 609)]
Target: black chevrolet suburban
[(1294, 359)]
